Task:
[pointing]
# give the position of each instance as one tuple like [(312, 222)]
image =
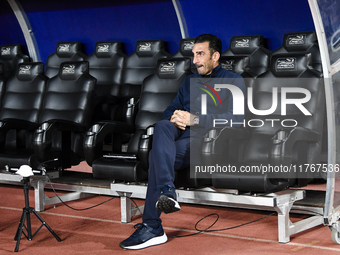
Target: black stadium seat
[(158, 91), (19, 115), (306, 41), (140, 64), (293, 139), (66, 114), (106, 65), (11, 55), (251, 46), (185, 51), (237, 64), (65, 51), (302, 42)]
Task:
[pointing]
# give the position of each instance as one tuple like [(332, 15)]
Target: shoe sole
[(151, 242), (167, 204)]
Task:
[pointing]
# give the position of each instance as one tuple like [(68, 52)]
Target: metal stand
[(26, 215), (83, 184), (281, 202)]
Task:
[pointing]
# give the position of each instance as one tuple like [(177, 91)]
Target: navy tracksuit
[(171, 145)]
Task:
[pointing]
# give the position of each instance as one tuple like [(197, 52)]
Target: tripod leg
[(29, 229), (19, 231), (47, 226), (23, 215)]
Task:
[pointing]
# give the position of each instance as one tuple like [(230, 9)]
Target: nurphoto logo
[(239, 104), (204, 97)]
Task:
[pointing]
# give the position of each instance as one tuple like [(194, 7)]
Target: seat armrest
[(284, 140), (42, 142), (130, 110), (43, 136), (94, 138), (215, 145), (216, 138), (145, 146)]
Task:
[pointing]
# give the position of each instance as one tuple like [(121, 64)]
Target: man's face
[(204, 61)]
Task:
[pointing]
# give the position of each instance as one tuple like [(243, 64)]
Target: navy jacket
[(190, 94)]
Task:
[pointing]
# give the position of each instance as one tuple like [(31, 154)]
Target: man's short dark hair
[(215, 43)]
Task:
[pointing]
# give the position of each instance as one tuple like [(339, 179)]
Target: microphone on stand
[(25, 171)]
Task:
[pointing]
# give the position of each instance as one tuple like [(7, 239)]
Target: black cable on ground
[(199, 231), (76, 209), (222, 229)]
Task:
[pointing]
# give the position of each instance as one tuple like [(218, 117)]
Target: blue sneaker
[(167, 201), (144, 236)]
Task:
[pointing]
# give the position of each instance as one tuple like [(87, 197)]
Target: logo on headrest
[(296, 40), (286, 64), (5, 51), (64, 47), (188, 45), (103, 48), (144, 47), (242, 42), (228, 64), (25, 69), (69, 69), (167, 68)]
